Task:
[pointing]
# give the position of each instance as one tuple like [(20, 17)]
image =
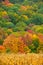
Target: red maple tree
[(6, 2)]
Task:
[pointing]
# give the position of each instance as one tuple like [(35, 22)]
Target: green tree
[(34, 46), (20, 26), (37, 19)]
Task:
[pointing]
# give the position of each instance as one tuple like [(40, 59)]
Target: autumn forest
[(21, 32)]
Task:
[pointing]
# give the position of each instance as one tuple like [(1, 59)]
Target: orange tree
[(15, 44)]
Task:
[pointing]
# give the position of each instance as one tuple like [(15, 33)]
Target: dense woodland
[(21, 26)]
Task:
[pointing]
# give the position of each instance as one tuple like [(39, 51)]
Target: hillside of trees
[(21, 26)]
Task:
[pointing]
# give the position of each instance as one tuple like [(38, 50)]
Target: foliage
[(3, 35), (22, 22), (14, 44), (20, 26), (34, 46), (2, 49), (37, 19), (38, 28), (20, 59)]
